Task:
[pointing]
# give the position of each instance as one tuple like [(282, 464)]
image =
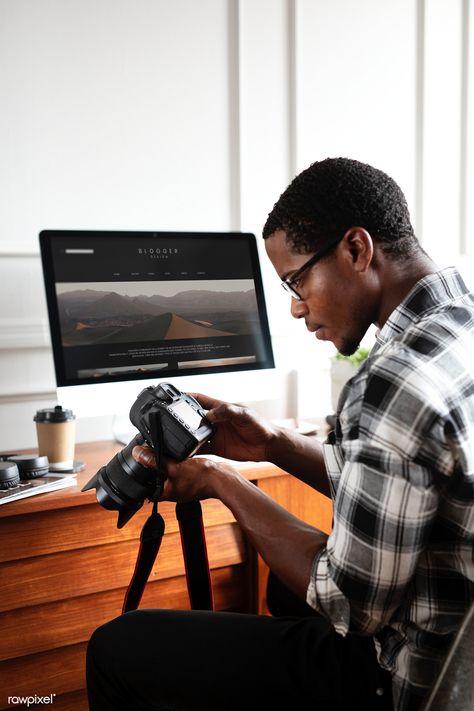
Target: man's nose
[(298, 308)]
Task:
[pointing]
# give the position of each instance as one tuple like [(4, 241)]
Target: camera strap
[(193, 543), (196, 562), (150, 542)]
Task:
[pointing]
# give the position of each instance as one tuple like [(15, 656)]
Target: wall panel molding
[(464, 128), (419, 117), (274, 85), (442, 128), (468, 148), (19, 334), (234, 74), (12, 249), (292, 39), (40, 395)]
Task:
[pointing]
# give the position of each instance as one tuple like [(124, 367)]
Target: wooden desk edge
[(95, 455)]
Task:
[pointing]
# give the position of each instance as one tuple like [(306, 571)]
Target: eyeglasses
[(290, 284)]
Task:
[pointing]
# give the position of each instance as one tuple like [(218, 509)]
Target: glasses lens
[(290, 290)]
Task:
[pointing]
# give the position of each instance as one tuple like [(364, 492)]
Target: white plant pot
[(341, 372)]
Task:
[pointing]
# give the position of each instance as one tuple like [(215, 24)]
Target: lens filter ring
[(9, 475), (29, 466)]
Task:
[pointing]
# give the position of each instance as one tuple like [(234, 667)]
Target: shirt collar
[(429, 293)]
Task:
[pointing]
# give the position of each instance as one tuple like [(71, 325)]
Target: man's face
[(337, 303)]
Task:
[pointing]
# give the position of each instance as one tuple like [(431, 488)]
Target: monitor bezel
[(45, 239)]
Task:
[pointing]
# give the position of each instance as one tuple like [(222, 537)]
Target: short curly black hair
[(334, 194)]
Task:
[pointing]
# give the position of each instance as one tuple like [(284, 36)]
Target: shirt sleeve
[(386, 502), (381, 523)]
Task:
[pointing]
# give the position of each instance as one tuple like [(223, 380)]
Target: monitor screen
[(141, 305)]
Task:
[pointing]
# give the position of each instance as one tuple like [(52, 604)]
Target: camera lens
[(123, 484), (29, 466), (9, 475), (168, 420)]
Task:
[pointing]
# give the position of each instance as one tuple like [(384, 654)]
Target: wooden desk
[(64, 568)]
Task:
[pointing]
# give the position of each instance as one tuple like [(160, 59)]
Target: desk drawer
[(74, 573), (54, 531), (42, 647), (58, 624)]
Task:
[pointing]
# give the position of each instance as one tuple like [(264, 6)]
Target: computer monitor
[(130, 309)]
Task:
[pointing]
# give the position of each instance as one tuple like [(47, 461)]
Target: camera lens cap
[(30, 466), (9, 475)]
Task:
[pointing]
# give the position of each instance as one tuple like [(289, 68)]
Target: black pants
[(216, 661)]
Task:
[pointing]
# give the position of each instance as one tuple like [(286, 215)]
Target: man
[(396, 574)]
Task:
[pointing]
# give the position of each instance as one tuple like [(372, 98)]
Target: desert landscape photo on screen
[(127, 312)]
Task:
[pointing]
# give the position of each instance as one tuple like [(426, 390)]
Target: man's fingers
[(224, 412), (207, 403), (218, 410), (144, 456)]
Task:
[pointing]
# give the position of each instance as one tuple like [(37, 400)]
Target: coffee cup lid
[(54, 414)]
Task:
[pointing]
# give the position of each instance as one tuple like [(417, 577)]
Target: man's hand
[(241, 434), (287, 544), (189, 480)]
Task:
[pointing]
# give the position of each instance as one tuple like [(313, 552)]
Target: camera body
[(183, 427), (173, 423)]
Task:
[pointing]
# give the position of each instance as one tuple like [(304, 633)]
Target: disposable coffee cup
[(56, 430)]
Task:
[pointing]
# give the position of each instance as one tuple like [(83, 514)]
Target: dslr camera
[(173, 424)]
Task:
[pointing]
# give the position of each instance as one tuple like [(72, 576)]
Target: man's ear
[(359, 247)]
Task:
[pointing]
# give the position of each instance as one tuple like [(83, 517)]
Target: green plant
[(356, 358)]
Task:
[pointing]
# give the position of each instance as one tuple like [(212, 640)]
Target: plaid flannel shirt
[(398, 564)]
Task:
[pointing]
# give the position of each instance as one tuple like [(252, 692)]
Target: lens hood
[(123, 484)]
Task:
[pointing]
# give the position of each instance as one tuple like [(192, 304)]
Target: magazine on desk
[(41, 485)]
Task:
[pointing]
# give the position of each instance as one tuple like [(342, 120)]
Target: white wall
[(150, 114)]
